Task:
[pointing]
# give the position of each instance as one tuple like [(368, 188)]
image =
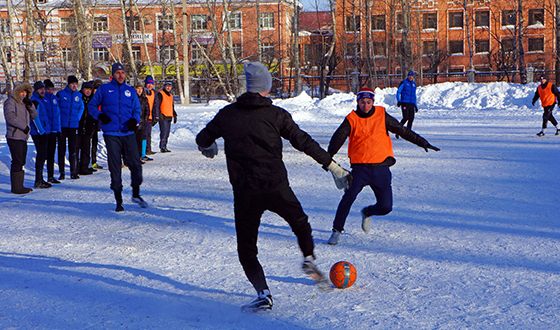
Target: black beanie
[(48, 83), (38, 85), (72, 79)]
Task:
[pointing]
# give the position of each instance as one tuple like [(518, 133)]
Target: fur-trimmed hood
[(19, 88)]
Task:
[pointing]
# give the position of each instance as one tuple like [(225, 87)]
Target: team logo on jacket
[(54, 101), (77, 98), (127, 93)]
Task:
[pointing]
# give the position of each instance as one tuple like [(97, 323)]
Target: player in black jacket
[(252, 129)]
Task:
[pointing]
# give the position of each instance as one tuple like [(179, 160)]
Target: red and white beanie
[(365, 93)]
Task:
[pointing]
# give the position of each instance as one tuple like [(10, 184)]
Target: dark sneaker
[(151, 153), (146, 159), (92, 169), (53, 180), (366, 221), (86, 172), (119, 208), (140, 201), (311, 270), (263, 302), (42, 185), (335, 237), (557, 131), (541, 133), (74, 176), (61, 177)]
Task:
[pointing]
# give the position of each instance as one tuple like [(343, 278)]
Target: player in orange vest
[(371, 154), (149, 83), (166, 112), (549, 95)]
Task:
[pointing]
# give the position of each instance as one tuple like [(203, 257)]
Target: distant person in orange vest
[(165, 110), (149, 83), (371, 154), (549, 95)]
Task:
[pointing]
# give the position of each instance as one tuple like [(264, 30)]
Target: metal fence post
[(470, 75), (530, 74)]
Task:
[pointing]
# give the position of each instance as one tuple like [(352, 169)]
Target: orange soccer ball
[(343, 274)]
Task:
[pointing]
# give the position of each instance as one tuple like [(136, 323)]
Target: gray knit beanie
[(258, 77)]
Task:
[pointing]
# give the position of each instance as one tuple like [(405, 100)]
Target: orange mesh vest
[(369, 141), (546, 95), (151, 99), (166, 107)]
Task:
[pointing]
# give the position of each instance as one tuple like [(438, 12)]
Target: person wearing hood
[(53, 133), (371, 154), (19, 111), (39, 129), (549, 96), (253, 129), (85, 132), (71, 108), (165, 110), (119, 116)]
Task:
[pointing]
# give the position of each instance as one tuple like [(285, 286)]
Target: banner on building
[(136, 38), (102, 41)]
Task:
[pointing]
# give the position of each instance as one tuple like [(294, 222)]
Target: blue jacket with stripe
[(71, 107), (407, 92)]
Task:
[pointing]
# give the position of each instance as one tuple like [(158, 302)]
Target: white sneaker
[(263, 302), (366, 221), (335, 237), (140, 201)]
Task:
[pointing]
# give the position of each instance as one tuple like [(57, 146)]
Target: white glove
[(210, 151), (341, 176)]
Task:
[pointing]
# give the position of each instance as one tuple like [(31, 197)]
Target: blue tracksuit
[(407, 92), (119, 102), (53, 114), (71, 107), (41, 123)]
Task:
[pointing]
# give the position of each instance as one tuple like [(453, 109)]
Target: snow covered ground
[(472, 242)]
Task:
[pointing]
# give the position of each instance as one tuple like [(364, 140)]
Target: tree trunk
[(14, 47), (326, 60), (557, 48), (295, 50), (230, 51), (405, 51), (259, 29), (84, 34), (176, 50), (369, 61), (186, 58), (128, 42), (521, 52), (143, 31)]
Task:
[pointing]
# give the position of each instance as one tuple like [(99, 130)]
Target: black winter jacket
[(392, 125), (253, 129)]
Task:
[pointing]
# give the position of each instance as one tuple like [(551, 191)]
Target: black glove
[(26, 129), (27, 101), (174, 119), (155, 121), (415, 108), (429, 146), (533, 103), (399, 104), (104, 118), (131, 124), (141, 125)]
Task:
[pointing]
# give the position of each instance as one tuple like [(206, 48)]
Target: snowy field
[(473, 240)]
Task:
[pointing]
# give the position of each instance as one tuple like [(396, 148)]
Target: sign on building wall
[(136, 38), (102, 41)]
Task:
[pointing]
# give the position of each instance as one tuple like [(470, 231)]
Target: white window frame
[(101, 26), (68, 22), (166, 20), (166, 54), (235, 17), (199, 22), (266, 21), (101, 54)]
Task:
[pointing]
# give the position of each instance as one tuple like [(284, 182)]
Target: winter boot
[(311, 270), (42, 184), (53, 180), (557, 131), (263, 302), (119, 201), (541, 133), (335, 237), (366, 221), (16, 179), (136, 198)]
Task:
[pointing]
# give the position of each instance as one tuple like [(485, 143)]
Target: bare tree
[(405, 49), (520, 51), (4, 49), (84, 20), (176, 52), (14, 47), (127, 40), (326, 67), (143, 31), (295, 49)]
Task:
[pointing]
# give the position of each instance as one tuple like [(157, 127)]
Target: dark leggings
[(51, 150), (547, 116), (71, 134), (408, 115), (42, 149)]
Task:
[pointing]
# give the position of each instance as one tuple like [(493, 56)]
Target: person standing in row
[(252, 129), (165, 110), (119, 116), (149, 83), (54, 128), (18, 113), (95, 133), (85, 132), (140, 132), (39, 129), (371, 154), (71, 108), (549, 96), (406, 100)]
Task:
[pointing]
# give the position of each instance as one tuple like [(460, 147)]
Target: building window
[(456, 20), (379, 48), (482, 68), (458, 69), (100, 24), (507, 44), (268, 50), (353, 50), (509, 17), (40, 56), (353, 23), (235, 21), (456, 47), (136, 53), (429, 47), (378, 22), (166, 54), (4, 25), (536, 44), (199, 22), (134, 22), (67, 55), (429, 21), (101, 54), (400, 21), (481, 46), (237, 51), (482, 19), (165, 23), (266, 20), (197, 53), (67, 25), (536, 16)]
